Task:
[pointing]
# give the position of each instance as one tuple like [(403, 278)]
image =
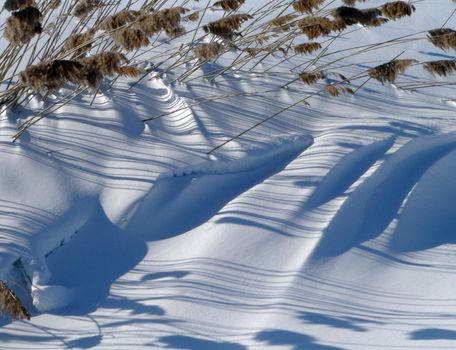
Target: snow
[(331, 226)]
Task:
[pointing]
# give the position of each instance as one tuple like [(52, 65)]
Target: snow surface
[(332, 226)]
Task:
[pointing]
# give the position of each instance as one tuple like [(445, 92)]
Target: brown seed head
[(11, 305), (314, 26), (130, 38), (229, 5), (441, 67), (85, 7), (283, 23), (23, 25), (397, 9), (444, 38), (311, 78), (14, 5), (208, 51), (307, 48), (307, 5), (388, 72)]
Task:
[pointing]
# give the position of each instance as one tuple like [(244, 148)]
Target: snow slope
[(331, 226)]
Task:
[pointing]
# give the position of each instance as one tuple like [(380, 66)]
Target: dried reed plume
[(167, 20), (397, 9), (335, 90), (148, 24), (119, 19), (232, 22), (351, 2), (389, 71), (377, 22), (88, 71), (443, 38), (346, 16), (311, 78), (174, 32), (252, 52), (226, 26), (208, 51), (229, 5), (11, 305), (106, 64), (283, 22), (22, 25), (307, 48), (80, 43), (306, 5), (314, 26), (85, 7), (14, 5), (441, 67), (193, 17), (52, 75), (130, 38)]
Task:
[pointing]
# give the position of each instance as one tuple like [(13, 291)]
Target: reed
[(11, 305), (81, 43)]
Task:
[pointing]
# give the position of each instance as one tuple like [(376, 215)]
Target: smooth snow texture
[(331, 226)]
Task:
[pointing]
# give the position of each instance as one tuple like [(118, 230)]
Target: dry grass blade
[(11, 305), (229, 5), (22, 25), (311, 78), (282, 22), (307, 48), (130, 38), (388, 72), (397, 9), (443, 38), (314, 26), (14, 5), (208, 51), (441, 67), (306, 5)]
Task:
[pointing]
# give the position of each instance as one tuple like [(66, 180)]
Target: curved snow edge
[(279, 147)]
